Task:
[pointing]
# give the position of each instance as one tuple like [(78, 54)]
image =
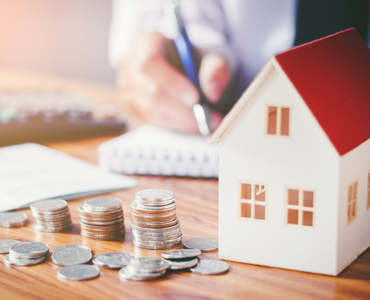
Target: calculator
[(43, 116)]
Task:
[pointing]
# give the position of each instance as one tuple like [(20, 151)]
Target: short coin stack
[(51, 215), (154, 224), (102, 218), (26, 253), (144, 268)]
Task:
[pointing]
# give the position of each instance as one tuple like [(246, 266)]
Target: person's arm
[(148, 66)]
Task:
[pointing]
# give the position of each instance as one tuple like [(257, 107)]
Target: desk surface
[(197, 208)]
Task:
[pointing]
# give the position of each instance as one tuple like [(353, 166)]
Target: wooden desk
[(197, 208)]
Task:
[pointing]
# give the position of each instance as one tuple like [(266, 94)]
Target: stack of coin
[(26, 253), (144, 268), (102, 218), (154, 224), (51, 215)]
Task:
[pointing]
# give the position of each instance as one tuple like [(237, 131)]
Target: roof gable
[(332, 75)]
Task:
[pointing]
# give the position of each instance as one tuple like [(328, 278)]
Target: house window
[(300, 207), (278, 120), (253, 201), (368, 190), (352, 202)]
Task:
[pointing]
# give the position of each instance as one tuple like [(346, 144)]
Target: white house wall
[(354, 237), (306, 159)]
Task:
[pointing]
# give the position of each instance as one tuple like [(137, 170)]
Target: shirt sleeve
[(204, 20)]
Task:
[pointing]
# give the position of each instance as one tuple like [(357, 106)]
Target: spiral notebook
[(149, 150)]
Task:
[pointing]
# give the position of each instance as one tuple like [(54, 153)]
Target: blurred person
[(234, 38)]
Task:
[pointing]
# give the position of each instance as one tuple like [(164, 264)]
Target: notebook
[(31, 172), (149, 150)]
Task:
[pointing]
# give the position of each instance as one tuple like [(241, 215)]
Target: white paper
[(31, 172)]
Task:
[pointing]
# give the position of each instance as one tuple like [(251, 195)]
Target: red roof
[(333, 77)]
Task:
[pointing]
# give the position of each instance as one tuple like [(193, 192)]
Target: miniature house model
[(294, 183)]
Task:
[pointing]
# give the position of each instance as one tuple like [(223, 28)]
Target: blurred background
[(68, 38)]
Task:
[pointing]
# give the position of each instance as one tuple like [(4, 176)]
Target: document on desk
[(31, 172)]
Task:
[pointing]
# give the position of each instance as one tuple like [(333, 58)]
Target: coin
[(5, 244), (113, 260), (49, 205), (210, 267), (12, 219), (102, 204), (154, 196), (184, 263), (71, 256), (71, 246), (79, 272), (203, 244), (149, 264), (29, 249), (22, 261), (125, 273), (181, 253)]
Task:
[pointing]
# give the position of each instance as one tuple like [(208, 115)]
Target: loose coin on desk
[(71, 246), (127, 273), (149, 264), (203, 244), (113, 260), (71, 256), (181, 253), (29, 249), (12, 219), (22, 262), (210, 267), (180, 264), (5, 244), (78, 272)]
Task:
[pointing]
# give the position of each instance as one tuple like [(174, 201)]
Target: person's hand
[(157, 92)]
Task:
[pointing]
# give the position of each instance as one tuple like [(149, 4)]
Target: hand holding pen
[(156, 92)]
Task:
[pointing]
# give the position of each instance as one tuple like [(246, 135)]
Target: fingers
[(213, 75)]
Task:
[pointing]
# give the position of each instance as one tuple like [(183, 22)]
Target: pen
[(187, 56)]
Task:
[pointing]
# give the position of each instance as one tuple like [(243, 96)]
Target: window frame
[(300, 207), (252, 201), (278, 121), (351, 201)]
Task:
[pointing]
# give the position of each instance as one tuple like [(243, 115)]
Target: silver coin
[(49, 205), (51, 213), (184, 263), (79, 272), (12, 219), (5, 244), (155, 247), (158, 242), (152, 209), (203, 244), (102, 204), (149, 264), (29, 249), (71, 256), (181, 253), (9, 260), (170, 238), (52, 218), (154, 195), (71, 246), (51, 229), (155, 234), (155, 230), (210, 267), (108, 222), (113, 260), (125, 273)]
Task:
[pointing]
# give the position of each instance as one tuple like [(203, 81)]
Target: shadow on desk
[(359, 269)]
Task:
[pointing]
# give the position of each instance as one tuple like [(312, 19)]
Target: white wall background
[(61, 37)]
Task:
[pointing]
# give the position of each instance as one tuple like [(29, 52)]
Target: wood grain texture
[(197, 209)]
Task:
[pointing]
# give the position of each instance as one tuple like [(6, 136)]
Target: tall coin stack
[(154, 224), (102, 218), (51, 215)]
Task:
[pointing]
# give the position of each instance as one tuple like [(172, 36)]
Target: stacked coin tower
[(154, 224), (102, 218), (27, 253), (51, 215)]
